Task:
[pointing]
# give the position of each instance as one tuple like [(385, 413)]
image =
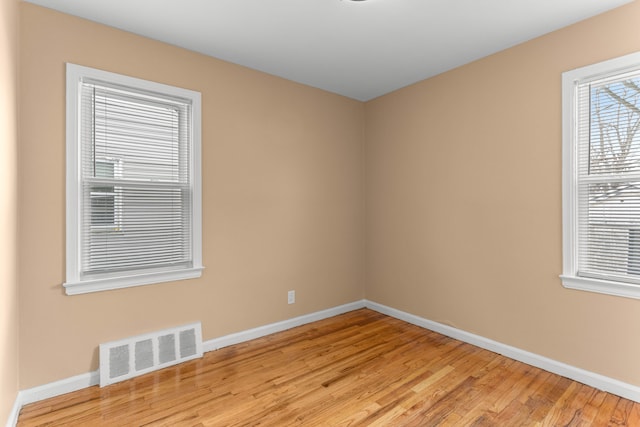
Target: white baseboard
[(601, 382), (598, 381), (53, 389), (57, 388), (262, 331)]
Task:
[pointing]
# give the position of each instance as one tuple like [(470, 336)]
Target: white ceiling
[(360, 49)]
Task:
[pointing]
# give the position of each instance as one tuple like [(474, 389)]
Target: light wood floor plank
[(358, 369)]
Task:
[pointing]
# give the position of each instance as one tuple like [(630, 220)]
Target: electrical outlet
[(291, 297)]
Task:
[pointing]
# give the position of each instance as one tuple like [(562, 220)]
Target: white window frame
[(74, 283), (570, 80)]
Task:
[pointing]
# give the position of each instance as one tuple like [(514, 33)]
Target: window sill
[(107, 284), (601, 286)]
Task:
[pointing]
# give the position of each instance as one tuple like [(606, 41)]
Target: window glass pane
[(609, 231), (104, 169), (144, 134), (154, 231), (103, 207), (614, 145)]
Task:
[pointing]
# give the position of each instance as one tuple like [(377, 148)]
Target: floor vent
[(130, 357)]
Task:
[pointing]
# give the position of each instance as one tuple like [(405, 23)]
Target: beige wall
[(8, 144), (282, 199), (464, 202)]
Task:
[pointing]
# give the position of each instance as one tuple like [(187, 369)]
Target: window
[(133, 182), (601, 177)]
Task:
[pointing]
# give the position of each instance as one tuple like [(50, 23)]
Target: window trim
[(74, 284), (570, 80)]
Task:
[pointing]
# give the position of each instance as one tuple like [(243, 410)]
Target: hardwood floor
[(358, 369)]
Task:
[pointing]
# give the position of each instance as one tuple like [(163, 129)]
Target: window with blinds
[(602, 177), (133, 185)]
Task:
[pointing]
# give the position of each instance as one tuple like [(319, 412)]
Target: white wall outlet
[(291, 297)]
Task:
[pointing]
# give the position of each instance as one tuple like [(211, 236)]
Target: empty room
[(320, 213)]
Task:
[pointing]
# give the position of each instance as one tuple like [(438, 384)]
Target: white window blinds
[(134, 198), (608, 178)]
